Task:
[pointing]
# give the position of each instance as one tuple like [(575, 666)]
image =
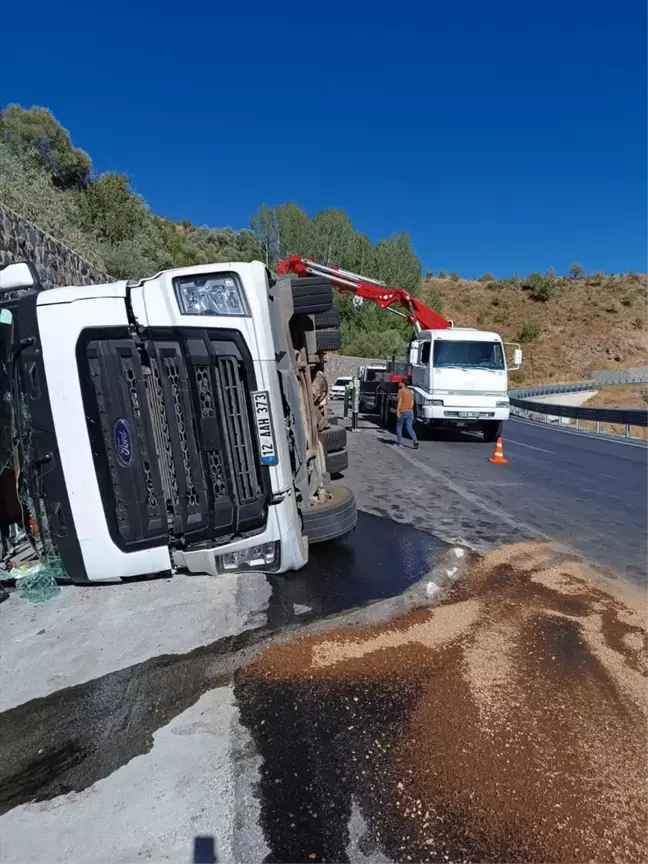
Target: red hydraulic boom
[(420, 316)]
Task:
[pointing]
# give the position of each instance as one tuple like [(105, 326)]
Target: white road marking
[(583, 433), (530, 446)]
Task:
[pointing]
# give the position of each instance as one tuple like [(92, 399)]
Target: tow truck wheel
[(492, 430), (332, 518)]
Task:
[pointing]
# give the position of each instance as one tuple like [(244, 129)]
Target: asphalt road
[(586, 491), (127, 700)]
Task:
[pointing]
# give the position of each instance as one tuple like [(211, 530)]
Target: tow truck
[(458, 375), (171, 422)]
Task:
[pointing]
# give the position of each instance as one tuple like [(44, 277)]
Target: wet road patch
[(69, 740)]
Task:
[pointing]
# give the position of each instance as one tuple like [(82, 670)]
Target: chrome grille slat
[(244, 467)]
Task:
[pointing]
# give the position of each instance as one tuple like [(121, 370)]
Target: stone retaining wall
[(21, 240), (339, 365)]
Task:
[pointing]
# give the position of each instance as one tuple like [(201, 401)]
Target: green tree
[(332, 237), (295, 230), (396, 263), (576, 271), (36, 136)]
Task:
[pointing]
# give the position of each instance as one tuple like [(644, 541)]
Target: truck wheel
[(337, 462), (333, 439), (311, 294), (384, 412), (328, 340), (492, 430), (331, 519), (327, 319)]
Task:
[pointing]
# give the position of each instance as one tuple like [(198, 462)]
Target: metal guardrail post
[(627, 430), (598, 427), (578, 422)]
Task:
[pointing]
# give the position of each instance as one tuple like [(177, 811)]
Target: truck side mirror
[(19, 275), (517, 357), (413, 353)]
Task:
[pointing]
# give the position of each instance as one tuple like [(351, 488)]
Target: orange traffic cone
[(498, 456)]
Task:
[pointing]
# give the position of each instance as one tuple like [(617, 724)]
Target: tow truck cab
[(459, 378), (166, 423)]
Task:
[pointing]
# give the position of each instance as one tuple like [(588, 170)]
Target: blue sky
[(503, 136)]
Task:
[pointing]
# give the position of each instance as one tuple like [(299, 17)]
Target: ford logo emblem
[(123, 443)]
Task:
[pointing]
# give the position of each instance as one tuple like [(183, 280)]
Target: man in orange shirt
[(405, 414)]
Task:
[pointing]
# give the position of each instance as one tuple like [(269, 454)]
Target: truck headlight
[(210, 294), (434, 402), (252, 558), (502, 404)]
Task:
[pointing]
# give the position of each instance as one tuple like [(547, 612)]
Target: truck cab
[(169, 422), (460, 379)]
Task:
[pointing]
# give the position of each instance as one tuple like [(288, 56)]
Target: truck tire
[(333, 518), (384, 411), (327, 319), (333, 439), (311, 294), (337, 462), (328, 340), (492, 430)]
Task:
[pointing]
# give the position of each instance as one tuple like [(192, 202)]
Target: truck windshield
[(373, 374), (468, 355), (6, 411)]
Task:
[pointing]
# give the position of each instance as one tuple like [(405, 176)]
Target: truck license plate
[(468, 414), (261, 403)]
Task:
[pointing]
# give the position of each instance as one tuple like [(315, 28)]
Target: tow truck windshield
[(453, 354)]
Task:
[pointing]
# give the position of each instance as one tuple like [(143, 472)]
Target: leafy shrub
[(541, 286), (576, 271), (529, 332), (486, 277), (442, 274), (454, 276)]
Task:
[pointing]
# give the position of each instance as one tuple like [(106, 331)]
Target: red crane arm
[(420, 316)]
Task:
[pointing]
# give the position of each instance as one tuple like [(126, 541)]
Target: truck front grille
[(193, 469), (240, 441)]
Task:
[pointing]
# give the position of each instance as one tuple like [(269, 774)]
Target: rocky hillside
[(570, 326)]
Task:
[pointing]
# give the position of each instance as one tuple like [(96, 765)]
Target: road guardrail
[(523, 405)]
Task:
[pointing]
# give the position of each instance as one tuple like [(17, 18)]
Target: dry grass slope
[(598, 322)]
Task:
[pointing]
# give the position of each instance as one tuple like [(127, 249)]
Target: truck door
[(421, 368)]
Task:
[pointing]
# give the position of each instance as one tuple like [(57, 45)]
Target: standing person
[(405, 414)]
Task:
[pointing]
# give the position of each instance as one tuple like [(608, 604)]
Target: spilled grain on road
[(508, 724)]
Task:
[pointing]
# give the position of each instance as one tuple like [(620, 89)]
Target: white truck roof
[(460, 334)]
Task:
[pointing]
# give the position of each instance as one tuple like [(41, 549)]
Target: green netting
[(36, 582)]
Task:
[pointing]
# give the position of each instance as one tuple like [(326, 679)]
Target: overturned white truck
[(173, 422)]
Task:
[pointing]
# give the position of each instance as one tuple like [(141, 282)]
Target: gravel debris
[(508, 724)]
